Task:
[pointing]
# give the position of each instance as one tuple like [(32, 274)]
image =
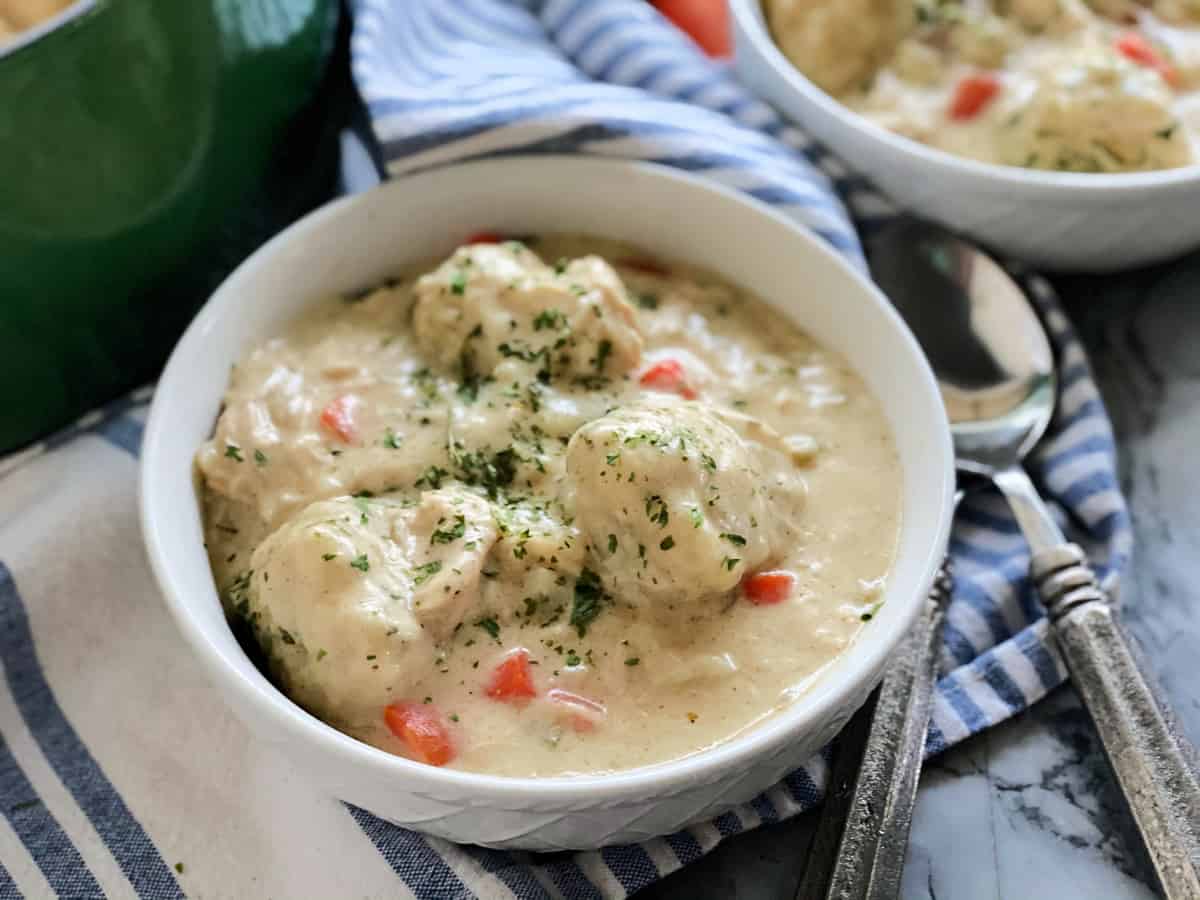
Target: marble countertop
[(1029, 809)]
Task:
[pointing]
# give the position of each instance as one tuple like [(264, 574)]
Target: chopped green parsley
[(432, 478), (490, 625), (588, 601), (549, 319), (363, 508), (603, 351), (656, 510), (870, 613), (492, 472), (422, 574), (523, 352), (453, 533)]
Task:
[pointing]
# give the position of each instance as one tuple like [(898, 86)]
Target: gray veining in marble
[(1028, 810)]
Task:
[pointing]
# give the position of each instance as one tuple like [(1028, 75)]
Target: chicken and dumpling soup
[(549, 507), (1059, 85)]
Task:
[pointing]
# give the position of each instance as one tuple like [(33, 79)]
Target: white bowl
[(357, 242), (1057, 220)]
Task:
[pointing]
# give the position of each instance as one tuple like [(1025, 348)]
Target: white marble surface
[(1028, 810)]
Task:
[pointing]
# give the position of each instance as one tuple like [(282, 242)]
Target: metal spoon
[(858, 850), (996, 371)]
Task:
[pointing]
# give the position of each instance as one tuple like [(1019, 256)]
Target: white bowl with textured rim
[(357, 242), (1057, 220)]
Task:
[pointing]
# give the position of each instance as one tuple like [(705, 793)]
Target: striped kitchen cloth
[(121, 771)]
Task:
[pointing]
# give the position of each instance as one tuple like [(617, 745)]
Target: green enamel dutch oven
[(138, 140)]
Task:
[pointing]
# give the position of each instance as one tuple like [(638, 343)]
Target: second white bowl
[(1057, 220)]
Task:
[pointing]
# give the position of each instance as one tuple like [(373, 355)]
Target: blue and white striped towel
[(122, 773)]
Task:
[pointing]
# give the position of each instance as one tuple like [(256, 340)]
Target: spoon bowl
[(993, 363)]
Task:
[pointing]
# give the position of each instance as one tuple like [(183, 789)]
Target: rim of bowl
[(749, 20), (703, 766)]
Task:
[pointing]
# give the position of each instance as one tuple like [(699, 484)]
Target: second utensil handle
[(874, 841), (1146, 754)]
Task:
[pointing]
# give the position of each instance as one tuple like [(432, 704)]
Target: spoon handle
[(1138, 736), (859, 848), (1146, 752)]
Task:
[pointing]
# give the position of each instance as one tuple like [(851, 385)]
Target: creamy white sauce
[(520, 486), (1067, 96)]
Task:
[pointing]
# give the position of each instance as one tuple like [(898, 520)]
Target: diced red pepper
[(586, 713), (645, 266), (669, 376), (1134, 47), (338, 417), (485, 237), (973, 93), (513, 678), (768, 588), (423, 730), (705, 21)]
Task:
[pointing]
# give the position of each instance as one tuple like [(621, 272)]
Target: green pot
[(134, 134)]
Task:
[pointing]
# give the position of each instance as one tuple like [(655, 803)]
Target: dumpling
[(490, 303), (1117, 10), (671, 501), (982, 40), (1179, 12), (352, 597), (1053, 17), (1096, 112), (840, 44), (275, 449), (266, 450)]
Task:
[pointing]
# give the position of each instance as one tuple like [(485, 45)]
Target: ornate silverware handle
[(864, 857), (1146, 753)]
